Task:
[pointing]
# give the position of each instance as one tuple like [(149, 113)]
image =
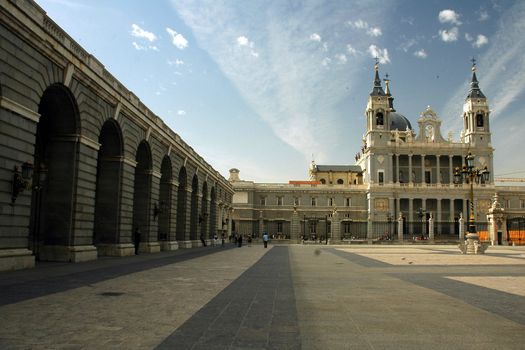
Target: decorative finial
[(473, 60), (386, 77), (376, 66)]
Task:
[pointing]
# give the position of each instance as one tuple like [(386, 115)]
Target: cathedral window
[(263, 201), (479, 120), (340, 181), (348, 202), (381, 177), (330, 202), (379, 118), (279, 200), (314, 201), (322, 181)]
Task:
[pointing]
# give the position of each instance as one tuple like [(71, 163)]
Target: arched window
[(323, 181), (340, 181), (379, 118), (479, 120)]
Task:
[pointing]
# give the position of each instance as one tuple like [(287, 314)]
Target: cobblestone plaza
[(285, 297)]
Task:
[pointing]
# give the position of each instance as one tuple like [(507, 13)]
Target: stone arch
[(194, 213), (203, 217), (108, 185), (340, 181), (182, 196), (165, 198), (55, 175), (142, 191)]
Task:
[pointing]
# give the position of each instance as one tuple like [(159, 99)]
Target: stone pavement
[(284, 297)]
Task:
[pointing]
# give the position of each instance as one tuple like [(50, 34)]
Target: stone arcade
[(102, 163)]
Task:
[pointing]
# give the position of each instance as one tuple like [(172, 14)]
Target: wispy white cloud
[(483, 16), (449, 35), (480, 41), (381, 54), (351, 50), (363, 25), (177, 62), (138, 32), (244, 41), (341, 58), (421, 53), (144, 47), (449, 16), (315, 37), (287, 86), (498, 68), (177, 39), (468, 37), (181, 112)]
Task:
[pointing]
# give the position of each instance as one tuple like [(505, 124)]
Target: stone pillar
[(410, 179), (397, 168), (461, 229), (400, 227), (450, 170), (438, 172), (464, 209), (171, 242), (438, 210), (411, 210), (497, 222), (186, 243), (369, 229), (230, 219), (452, 214), (422, 168), (295, 228), (431, 228), (261, 223), (336, 227)]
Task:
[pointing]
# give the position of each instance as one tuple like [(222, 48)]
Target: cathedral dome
[(399, 122)]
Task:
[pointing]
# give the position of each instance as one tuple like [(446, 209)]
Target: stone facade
[(401, 175), (103, 164)]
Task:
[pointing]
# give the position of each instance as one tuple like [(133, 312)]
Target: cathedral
[(407, 182)]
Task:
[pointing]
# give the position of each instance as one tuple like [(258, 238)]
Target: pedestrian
[(239, 240), (136, 240), (215, 239), (223, 237), (265, 240), (203, 241), (249, 240)]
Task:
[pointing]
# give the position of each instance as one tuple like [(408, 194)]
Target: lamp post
[(470, 174), (421, 213)]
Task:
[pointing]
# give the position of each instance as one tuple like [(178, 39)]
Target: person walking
[(265, 240), (136, 240), (239, 240), (223, 238)]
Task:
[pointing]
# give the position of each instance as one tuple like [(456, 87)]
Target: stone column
[(450, 170), (230, 219), (336, 228), (261, 223), (150, 240), (423, 169), (451, 214), (400, 227), (295, 228), (171, 242), (397, 168), (410, 179), (411, 210), (461, 229), (438, 172), (431, 228)]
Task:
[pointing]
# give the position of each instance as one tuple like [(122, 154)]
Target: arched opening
[(379, 118), (107, 194), (203, 218), (194, 216), (322, 181), (213, 213), (55, 175), (181, 205), (165, 200), (340, 181), (142, 191), (479, 120)]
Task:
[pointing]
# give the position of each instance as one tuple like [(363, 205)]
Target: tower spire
[(378, 89), (388, 94), (475, 91)]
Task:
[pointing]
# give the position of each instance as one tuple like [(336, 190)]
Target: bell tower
[(377, 112), (476, 126)]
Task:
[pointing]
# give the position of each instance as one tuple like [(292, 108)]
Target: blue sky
[(264, 86)]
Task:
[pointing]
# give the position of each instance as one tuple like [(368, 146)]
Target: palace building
[(407, 174)]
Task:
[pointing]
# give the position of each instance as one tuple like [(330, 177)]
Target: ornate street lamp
[(470, 174)]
